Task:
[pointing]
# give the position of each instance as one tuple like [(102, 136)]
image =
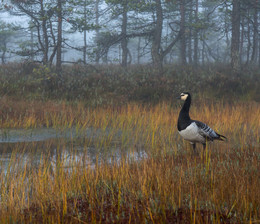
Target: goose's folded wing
[(206, 131)]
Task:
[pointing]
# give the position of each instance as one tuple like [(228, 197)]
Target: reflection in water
[(43, 134), (68, 147)]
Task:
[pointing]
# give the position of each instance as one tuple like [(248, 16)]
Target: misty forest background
[(114, 50)]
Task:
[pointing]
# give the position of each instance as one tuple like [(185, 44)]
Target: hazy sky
[(19, 20)]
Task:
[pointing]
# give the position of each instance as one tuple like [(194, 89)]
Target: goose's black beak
[(178, 97)]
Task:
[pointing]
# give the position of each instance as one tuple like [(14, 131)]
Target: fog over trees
[(194, 32)]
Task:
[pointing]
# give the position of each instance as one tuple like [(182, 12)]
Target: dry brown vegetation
[(168, 185)]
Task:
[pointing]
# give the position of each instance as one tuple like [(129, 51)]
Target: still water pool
[(71, 146)]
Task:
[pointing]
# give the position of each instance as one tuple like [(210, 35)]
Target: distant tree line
[(190, 32)]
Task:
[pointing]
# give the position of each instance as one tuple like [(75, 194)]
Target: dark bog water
[(44, 134), (88, 146)]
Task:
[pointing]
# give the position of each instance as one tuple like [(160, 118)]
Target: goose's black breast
[(183, 124)]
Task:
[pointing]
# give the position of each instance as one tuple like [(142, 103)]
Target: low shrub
[(111, 84)]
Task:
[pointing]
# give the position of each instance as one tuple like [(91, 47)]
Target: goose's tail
[(222, 138)]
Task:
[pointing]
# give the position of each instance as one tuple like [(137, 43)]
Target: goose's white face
[(184, 96)]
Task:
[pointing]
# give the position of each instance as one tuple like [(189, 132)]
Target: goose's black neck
[(186, 106), (184, 117)]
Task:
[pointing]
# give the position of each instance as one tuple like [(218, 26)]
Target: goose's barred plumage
[(192, 130)]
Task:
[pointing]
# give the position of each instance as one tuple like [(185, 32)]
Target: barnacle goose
[(192, 130)]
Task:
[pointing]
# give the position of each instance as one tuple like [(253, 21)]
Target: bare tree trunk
[(138, 50), (157, 35), (53, 37), (124, 30), (190, 33), (227, 32), (130, 56), (235, 63), (203, 52), (255, 34), (183, 35), (59, 37), (45, 36), (85, 34), (165, 60), (3, 51), (97, 24), (258, 52), (32, 40), (248, 42), (242, 40), (85, 47), (196, 39)]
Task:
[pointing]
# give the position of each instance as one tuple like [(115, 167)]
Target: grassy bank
[(169, 185)]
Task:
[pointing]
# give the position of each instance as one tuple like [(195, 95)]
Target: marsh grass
[(169, 185)]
